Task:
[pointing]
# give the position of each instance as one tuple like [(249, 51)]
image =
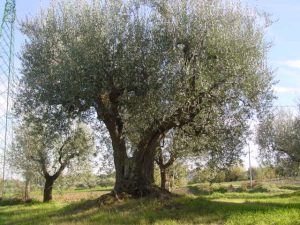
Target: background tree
[(278, 137), (27, 168), (145, 68), (219, 148), (49, 152), (235, 173)]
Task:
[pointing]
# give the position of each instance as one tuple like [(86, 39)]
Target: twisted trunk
[(134, 175), (143, 178), (50, 181)]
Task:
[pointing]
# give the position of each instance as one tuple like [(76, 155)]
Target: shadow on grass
[(97, 189), (185, 210), (16, 201), (237, 194), (11, 201), (292, 188), (182, 209), (196, 190)]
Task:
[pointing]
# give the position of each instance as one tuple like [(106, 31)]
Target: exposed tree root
[(151, 192)]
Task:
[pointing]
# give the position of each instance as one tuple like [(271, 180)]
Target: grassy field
[(221, 204)]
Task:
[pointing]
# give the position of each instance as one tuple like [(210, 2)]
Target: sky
[(284, 56)]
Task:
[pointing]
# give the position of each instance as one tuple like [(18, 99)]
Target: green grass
[(280, 207)]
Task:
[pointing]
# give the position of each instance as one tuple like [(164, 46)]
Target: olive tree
[(27, 169), (38, 150), (218, 148), (278, 137), (146, 67)]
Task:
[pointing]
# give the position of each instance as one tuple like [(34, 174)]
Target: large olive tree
[(146, 67)]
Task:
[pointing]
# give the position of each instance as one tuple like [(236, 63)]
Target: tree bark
[(119, 152), (109, 114), (120, 159), (48, 189), (144, 172), (139, 181), (134, 175), (163, 178)]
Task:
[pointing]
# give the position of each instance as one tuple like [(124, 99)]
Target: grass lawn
[(281, 206)]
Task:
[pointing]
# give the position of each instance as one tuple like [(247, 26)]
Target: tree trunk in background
[(163, 166), (48, 189), (163, 178), (27, 189)]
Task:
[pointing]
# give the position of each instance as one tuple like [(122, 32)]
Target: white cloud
[(290, 90), (292, 63)]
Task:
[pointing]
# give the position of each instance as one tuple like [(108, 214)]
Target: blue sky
[(284, 56)]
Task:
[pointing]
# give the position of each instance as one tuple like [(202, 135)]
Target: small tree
[(278, 137), (49, 152), (235, 173), (17, 159), (265, 173)]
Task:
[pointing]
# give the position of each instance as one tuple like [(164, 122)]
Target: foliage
[(206, 174), (107, 180), (278, 139), (79, 178), (265, 173), (235, 173), (44, 151), (39, 149), (177, 174)]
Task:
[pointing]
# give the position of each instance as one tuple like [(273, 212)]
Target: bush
[(235, 173)]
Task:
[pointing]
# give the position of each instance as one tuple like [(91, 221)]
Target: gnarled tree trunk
[(139, 178), (143, 179), (134, 175)]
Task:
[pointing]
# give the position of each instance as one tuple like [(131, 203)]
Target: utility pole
[(250, 169), (6, 77)]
